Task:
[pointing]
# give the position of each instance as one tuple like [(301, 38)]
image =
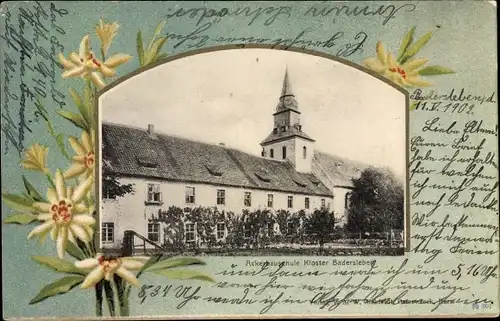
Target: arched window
[(304, 152), (284, 151), (271, 153)]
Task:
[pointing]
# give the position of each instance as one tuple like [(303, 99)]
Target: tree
[(320, 225), (376, 202)]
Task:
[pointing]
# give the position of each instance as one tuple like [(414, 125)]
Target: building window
[(323, 203), (154, 194), (283, 128), (221, 231), (275, 130), (290, 228), (190, 232), (271, 153), (221, 197), (270, 200), (304, 152), (247, 201), (154, 232), (108, 232), (284, 151), (306, 203), (290, 201), (190, 195)]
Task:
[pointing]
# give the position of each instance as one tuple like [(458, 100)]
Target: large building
[(171, 171)]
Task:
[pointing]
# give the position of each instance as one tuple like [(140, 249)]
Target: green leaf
[(89, 103), (60, 286), (407, 40), (153, 52), (415, 48), (435, 71), (173, 263), (157, 31), (18, 203), (60, 143), (184, 275), (82, 108), (57, 264), (161, 56), (75, 251), (23, 218), (30, 189), (140, 48), (77, 120)]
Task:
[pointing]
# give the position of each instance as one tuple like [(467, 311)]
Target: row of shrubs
[(256, 229)]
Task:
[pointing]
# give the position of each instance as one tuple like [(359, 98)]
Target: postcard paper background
[(464, 40)]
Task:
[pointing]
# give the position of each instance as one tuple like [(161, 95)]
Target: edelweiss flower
[(85, 64), (34, 158), (106, 32), (64, 215), (83, 162), (105, 267), (405, 75)]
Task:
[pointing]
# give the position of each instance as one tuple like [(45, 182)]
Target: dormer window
[(283, 128), (299, 127), (275, 130), (263, 177), (213, 169)]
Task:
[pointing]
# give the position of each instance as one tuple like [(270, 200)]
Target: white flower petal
[(107, 72), (79, 209), (82, 190), (69, 192), (66, 63), (44, 217), (75, 144), (108, 276), (86, 143), (374, 64), (131, 264), (75, 169), (41, 207), (93, 277), (74, 72), (87, 263), (83, 219), (75, 58), (62, 238), (116, 60), (84, 46), (54, 233), (97, 80), (40, 229), (60, 185), (127, 275), (52, 196), (414, 64), (71, 237), (80, 232)]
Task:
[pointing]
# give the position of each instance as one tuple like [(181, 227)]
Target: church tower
[(287, 141)]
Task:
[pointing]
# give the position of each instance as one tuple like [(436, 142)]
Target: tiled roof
[(335, 170), (133, 152)]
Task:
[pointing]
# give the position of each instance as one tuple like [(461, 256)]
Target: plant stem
[(125, 307)]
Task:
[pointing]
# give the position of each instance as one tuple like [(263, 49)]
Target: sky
[(229, 97)]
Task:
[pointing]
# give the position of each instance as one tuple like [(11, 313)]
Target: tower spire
[(287, 98)]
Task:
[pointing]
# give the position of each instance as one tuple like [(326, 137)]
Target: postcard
[(241, 159)]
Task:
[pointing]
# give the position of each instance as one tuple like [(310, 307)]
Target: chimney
[(151, 131)]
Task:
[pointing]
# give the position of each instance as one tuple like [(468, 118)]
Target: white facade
[(133, 211)]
